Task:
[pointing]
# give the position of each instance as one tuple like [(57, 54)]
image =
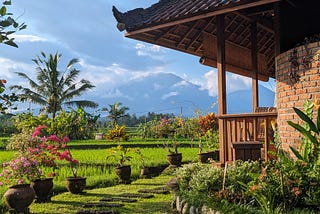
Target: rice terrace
[(172, 116)]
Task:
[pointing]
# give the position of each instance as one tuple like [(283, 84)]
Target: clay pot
[(76, 185), (43, 189), (19, 197), (124, 173), (174, 159)]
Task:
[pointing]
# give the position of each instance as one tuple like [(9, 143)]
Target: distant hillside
[(168, 93)]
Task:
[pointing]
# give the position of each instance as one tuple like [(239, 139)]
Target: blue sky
[(87, 30)]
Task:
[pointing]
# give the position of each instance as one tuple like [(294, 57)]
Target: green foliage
[(171, 146), (54, 88), (209, 141), (121, 154), (202, 183), (6, 100), (208, 122), (117, 133), (115, 112), (77, 124), (310, 148), (8, 25)]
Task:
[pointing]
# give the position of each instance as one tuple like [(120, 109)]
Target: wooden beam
[(254, 59), (222, 95), (203, 16)]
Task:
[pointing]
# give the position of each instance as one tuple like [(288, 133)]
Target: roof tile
[(166, 10)]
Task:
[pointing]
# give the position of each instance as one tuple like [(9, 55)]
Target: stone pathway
[(122, 198)]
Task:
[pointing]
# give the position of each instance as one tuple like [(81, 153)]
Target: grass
[(68, 203), (101, 178)]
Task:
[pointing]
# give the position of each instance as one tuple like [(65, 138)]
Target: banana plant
[(310, 146)]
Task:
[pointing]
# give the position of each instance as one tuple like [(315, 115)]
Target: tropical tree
[(8, 25), (116, 111), (54, 88)]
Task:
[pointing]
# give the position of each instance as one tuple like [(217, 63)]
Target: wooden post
[(222, 103), (254, 59)]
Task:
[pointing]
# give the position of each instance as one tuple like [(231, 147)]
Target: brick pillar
[(293, 92)]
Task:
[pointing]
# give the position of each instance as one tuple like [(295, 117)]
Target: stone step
[(97, 212), (101, 204), (158, 190), (125, 200), (136, 195)]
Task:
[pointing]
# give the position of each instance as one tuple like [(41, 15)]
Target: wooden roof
[(190, 26)]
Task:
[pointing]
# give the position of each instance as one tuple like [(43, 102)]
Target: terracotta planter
[(203, 157), (174, 159), (76, 185), (43, 189), (19, 197), (124, 173)]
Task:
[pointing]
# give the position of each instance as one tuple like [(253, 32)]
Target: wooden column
[(222, 102), (254, 58)]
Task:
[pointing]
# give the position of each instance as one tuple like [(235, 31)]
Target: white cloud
[(181, 83), (115, 93), (152, 51), (29, 38), (234, 82), (8, 67), (171, 94)]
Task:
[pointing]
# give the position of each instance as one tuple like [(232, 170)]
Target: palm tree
[(116, 111), (54, 88)]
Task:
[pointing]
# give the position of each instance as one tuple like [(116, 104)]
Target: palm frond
[(82, 103)]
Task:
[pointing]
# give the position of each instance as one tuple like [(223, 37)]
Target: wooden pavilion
[(239, 36)]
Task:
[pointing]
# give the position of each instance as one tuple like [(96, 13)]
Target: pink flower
[(37, 131), (65, 139), (54, 138), (20, 181), (296, 191)]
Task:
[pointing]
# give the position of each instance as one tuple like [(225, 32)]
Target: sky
[(87, 30)]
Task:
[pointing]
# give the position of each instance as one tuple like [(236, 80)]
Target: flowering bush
[(36, 153), (19, 171), (48, 149), (208, 122)]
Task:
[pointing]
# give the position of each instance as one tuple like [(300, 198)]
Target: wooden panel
[(244, 128), (238, 59)]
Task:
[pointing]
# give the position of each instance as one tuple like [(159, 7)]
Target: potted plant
[(49, 149), (75, 184), (122, 156), (16, 174), (174, 157), (208, 146), (42, 151)]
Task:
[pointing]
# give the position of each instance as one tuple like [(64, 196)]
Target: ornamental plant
[(208, 122), (37, 152), (21, 169), (117, 133), (120, 154), (51, 148)]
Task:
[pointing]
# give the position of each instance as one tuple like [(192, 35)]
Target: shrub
[(118, 133)]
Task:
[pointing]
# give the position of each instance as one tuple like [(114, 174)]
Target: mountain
[(168, 93)]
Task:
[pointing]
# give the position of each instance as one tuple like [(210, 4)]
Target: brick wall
[(292, 92)]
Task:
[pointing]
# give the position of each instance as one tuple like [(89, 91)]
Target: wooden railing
[(251, 127)]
